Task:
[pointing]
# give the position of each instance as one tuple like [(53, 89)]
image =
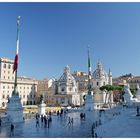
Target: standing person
[(96, 135), (81, 116), (36, 116), (138, 111), (72, 121), (48, 122), (45, 121), (0, 121), (92, 131), (57, 112), (42, 118), (50, 119), (37, 122), (12, 129)]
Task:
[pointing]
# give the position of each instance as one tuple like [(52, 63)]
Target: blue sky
[(53, 35)]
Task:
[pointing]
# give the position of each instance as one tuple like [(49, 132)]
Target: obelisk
[(14, 107)]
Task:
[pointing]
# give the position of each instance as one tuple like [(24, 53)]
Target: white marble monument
[(128, 97), (41, 107), (14, 107), (138, 93)]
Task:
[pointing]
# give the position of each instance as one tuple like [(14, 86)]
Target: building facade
[(65, 90), (27, 87), (100, 77), (44, 88)]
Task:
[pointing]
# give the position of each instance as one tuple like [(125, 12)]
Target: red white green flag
[(17, 46)]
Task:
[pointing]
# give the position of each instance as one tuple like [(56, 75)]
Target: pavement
[(118, 122)]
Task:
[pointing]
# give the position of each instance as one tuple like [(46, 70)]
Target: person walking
[(72, 121), (69, 122)]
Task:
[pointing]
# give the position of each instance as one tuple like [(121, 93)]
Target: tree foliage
[(111, 88)]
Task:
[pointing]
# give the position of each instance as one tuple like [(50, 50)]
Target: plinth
[(42, 108), (89, 104), (15, 109)]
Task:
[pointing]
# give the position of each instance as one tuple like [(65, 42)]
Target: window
[(30, 102), (4, 66), (23, 96), (3, 87), (7, 96), (3, 96), (34, 102), (9, 66), (8, 77), (8, 87), (97, 83), (3, 77), (8, 72), (104, 83), (62, 89)]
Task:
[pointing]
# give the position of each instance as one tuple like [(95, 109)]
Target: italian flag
[(89, 66), (17, 46)]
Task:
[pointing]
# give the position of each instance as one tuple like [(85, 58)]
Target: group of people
[(94, 126), (70, 121), (45, 120)]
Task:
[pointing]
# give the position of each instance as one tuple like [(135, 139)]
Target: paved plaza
[(117, 122)]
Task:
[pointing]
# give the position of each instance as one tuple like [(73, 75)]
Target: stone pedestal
[(89, 104), (42, 108), (14, 109)]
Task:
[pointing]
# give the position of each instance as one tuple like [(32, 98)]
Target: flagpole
[(16, 58), (89, 74)]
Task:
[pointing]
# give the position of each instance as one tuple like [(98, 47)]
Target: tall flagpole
[(89, 74), (16, 57)]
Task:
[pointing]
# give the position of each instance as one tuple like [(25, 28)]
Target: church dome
[(100, 73)]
